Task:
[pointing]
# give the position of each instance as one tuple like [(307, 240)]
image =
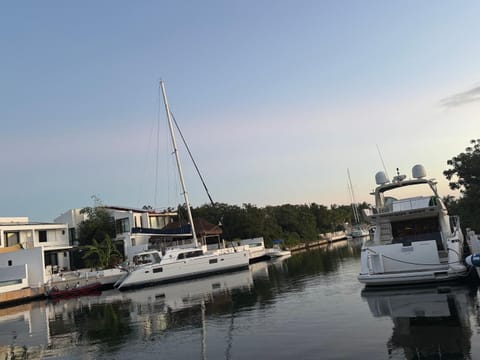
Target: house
[(30, 252), (178, 233), (134, 227)]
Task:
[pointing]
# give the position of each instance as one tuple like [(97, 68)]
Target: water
[(309, 306)]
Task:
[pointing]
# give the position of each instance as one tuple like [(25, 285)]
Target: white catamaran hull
[(186, 269)]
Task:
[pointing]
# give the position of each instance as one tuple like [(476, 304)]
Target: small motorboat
[(75, 291), (277, 251)]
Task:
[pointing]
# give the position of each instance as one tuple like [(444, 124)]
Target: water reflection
[(105, 323), (300, 307), (428, 322)]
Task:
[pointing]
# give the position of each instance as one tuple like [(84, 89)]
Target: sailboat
[(357, 229), (175, 264)]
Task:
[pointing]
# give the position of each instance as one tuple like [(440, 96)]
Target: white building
[(30, 252), (134, 227)]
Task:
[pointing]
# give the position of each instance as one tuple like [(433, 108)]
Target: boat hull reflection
[(428, 321)]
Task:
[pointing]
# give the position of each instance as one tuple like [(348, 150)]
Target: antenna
[(381, 159)]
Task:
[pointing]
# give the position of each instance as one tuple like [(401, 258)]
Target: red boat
[(88, 289)]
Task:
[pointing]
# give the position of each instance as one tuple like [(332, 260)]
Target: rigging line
[(191, 158)]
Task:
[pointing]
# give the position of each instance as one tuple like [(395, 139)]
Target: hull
[(399, 265), (273, 253), (191, 268), (74, 292), (414, 277)]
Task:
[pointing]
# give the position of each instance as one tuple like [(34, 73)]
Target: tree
[(465, 172), (93, 231), (103, 254), (98, 225), (464, 175)]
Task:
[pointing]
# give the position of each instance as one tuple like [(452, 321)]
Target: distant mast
[(179, 166), (352, 195)]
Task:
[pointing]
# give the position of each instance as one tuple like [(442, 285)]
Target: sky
[(277, 99)]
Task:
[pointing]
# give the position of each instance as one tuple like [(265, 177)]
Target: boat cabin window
[(189, 254), (408, 231), (142, 259)]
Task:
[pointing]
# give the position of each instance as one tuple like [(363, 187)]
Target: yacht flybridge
[(415, 239)]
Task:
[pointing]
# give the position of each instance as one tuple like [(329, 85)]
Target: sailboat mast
[(354, 205), (179, 166)]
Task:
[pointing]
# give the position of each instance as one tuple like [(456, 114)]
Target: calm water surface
[(309, 306)]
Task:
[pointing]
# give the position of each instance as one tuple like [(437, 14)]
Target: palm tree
[(102, 255)]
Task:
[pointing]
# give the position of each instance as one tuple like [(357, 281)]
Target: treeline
[(291, 223)]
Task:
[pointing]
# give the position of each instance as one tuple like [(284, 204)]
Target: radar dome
[(381, 178), (418, 172)]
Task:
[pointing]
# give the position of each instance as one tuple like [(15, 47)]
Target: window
[(157, 270), (408, 231), (13, 238), (42, 236), (10, 263), (51, 258), (122, 225), (212, 261), (194, 253)]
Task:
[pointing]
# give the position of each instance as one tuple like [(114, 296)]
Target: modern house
[(134, 227), (30, 252)]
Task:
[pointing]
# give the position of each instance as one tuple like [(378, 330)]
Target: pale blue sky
[(276, 98)]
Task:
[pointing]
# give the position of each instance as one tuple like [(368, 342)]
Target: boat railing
[(455, 224)]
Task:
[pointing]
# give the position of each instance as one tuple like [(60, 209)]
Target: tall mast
[(179, 166), (354, 205)]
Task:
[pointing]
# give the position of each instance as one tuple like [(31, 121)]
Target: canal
[(308, 306)]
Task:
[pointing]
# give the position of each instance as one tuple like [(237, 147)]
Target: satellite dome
[(418, 172), (381, 178)]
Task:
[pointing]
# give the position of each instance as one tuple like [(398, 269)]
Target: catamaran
[(174, 264)]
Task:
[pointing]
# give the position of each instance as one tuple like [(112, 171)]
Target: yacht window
[(212, 261), (180, 256), (195, 253), (157, 270), (145, 259), (409, 231)]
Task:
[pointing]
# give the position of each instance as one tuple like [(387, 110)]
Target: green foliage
[(292, 223), (465, 172), (103, 255), (464, 175), (98, 225)]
